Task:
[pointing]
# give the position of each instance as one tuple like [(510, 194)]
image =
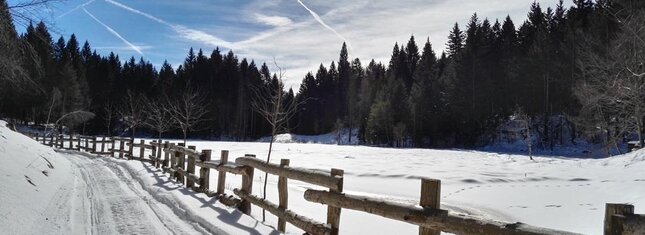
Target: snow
[(329, 138), (49, 192), (555, 192)]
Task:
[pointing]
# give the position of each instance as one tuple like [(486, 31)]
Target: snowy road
[(104, 199)]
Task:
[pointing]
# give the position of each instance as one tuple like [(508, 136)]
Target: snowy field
[(81, 193), (553, 192)]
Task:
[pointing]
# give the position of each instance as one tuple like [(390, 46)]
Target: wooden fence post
[(190, 169), (614, 217), (131, 150), (51, 140), (94, 144), (153, 156), (204, 172), (121, 148), (221, 177), (142, 150), (166, 155), (102, 144), (430, 198), (113, 145), (333, 213), (78, 143), (60, 141), (178, 164), (247, 187), (283, 193)]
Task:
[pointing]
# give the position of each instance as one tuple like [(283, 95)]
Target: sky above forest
[(298, 34)]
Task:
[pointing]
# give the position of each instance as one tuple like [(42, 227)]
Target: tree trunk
[(640, 130), (184, 131), (266, 175)]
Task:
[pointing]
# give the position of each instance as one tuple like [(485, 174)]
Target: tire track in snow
[(105, 200)]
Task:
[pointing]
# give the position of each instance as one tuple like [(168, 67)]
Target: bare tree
[(188, 111), (612, 93), (525, 123), (131, 112), (268, 100), (159, 117), (26, 11), (75, 118), (109, 112)]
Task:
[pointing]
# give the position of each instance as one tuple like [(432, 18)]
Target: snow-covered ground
[(329, 138), (47, 192), (554, 192)]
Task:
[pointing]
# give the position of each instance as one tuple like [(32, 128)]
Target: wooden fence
[(180, 163)]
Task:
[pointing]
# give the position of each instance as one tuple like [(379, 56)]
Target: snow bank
[(30, 177), (329, 138)]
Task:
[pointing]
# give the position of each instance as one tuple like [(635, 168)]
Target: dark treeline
[(489, 70), (73, 77)]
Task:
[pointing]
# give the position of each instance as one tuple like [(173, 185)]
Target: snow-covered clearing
[(49, 192), (553, 192), (81, 193)]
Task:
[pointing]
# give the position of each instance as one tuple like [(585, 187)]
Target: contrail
[(183, 31), (317, 17), (114, 32), (76, 8)]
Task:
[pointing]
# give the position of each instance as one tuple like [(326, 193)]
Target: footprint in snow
[(556, 206), (29, 180)]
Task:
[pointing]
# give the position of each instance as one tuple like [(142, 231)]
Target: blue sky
[(298, 34)]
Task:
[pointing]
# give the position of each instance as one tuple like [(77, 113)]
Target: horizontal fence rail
[(180, 163)]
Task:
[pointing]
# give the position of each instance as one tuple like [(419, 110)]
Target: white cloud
[(276, 21), (372, 26), (320, 20), (183, 31), (300, 45), (76, 8), (114, 32)]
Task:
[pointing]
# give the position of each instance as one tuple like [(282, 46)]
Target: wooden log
[(142, 149), (113, 146), (228, 167), (205, 172), (333, 212), (308, 225), (228, 200), (430, 198), (175, 164), (191, 177), (247, 186), (78, 143), (130, 152), (154, 156), (634, 225), (121, 148), (102, 144), (190, 169), (614, 217), (283, 194), (87, 145), (221, 176), (166, 155), (320, 178), (427, 217)]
